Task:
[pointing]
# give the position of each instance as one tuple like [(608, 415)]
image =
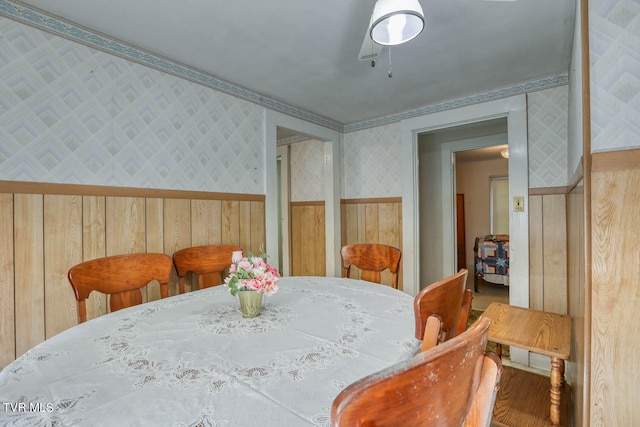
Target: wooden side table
[(536, 331)]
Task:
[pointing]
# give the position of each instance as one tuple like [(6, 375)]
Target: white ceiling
[(304, 53)]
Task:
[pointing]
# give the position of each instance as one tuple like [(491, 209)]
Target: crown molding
[(41, 20), (37, 18), (505, 92)]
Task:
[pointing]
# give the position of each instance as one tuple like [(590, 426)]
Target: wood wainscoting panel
[(536, 253), (244, 233), (7, 291), (154, 217), (308, 257), (554, 220), (231, 222), (125, 225), (575, 274), (62, 229), (47, 232), (206, 226), (377, 220), (94, 245), (176, 232), (615, 266), (258, 227), (548, 252), (29, 270)]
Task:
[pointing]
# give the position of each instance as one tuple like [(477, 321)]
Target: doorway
[(482, 177), (437, 154), (443, 247), (275, 245)]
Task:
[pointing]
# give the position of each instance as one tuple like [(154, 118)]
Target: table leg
[(557, 368), (499, 350)]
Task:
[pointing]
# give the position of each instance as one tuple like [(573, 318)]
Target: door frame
[(448, 151), (514, 108), (332, 179)]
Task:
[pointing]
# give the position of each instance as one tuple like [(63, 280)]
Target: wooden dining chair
[(208, 262), (453, 384), (121, 277), (441, 310), (371, 258)]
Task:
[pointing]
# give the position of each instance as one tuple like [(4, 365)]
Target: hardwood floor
[(487, 294), (523, 400)]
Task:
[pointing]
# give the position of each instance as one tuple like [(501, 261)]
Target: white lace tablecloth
[(192, 360)]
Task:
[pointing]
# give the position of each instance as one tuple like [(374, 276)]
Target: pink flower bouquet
[(251, 274)]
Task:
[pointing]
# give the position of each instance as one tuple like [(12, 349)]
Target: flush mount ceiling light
[(395, 22), (505, 153)]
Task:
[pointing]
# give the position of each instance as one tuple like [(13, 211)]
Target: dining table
[(193, 360)]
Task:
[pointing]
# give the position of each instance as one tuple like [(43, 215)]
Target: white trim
[(273, 120), (285, 194), (448, 191), (514, 109)]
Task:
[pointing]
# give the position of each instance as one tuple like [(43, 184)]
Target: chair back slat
[(121, 277), (209, 262), (452, 384), (371, 258), (449, 301)]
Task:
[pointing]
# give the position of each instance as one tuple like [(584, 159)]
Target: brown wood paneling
[(548, 253), (244, 229), (308, 253), (231, 222), (319, 239), (306, 250), (125, 225), (62, 229), (575, 253), (389, 215), (7, 293), (29, 271), (554, 220), (206, 216), (258, 227), (45, 234), (372, 224), (177, 231), (536, 254), (615, 342), (372, 221), (154, 218), (94, 245), (296, 240)]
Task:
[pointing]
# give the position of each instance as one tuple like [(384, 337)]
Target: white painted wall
[(473, 182)]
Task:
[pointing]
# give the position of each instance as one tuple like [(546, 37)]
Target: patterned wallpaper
[(614, 50), (73, 114), (307, 171), (574, 126), (371, 163), (547, 114)]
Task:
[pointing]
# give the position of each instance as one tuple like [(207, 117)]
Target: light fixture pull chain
[(373, 58), (389, 74)]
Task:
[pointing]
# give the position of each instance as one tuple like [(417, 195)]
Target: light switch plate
[(518, 203)]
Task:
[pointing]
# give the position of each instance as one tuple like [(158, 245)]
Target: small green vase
[(250, 303)]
